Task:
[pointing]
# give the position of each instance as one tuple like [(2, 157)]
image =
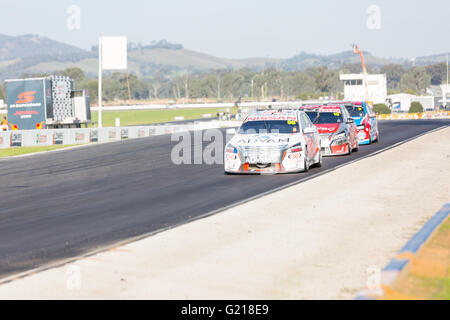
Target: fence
[(29, 138), (416, 116)]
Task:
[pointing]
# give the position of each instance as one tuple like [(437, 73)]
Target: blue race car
[(365, 120)]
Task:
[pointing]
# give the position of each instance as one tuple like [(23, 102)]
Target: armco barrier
[(390, 273), (27, 138)]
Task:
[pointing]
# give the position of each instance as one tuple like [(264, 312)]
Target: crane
[(357, 51)]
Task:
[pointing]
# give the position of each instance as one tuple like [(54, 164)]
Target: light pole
[(100, 59)]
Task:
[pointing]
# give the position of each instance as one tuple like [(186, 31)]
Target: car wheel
[(306, 162), (356, 148), (349, 149), (320, 162), (378, 137)]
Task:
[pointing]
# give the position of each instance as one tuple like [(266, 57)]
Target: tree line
[(246, 84)]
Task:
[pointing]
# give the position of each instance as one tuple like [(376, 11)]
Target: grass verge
[(428, 277), (17, 151), (141, 117)]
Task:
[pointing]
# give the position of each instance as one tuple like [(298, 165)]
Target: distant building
[(402, 101), (355, 90), (445, 88), (436, 91)]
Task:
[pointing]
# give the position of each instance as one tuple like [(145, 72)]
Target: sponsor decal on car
[(262, 139)]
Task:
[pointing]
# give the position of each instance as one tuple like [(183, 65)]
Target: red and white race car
[(337, 129), (270, 142)]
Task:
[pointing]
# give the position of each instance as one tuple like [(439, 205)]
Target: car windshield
[(355, 111), (329, 117), (312, 115), (269, 126)]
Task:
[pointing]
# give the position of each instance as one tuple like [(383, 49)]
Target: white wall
[(406, 99), (377, 87)]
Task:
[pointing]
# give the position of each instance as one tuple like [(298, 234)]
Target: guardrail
[(415, 116), (29, 138)]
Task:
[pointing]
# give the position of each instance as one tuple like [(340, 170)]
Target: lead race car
[(273, 142), (337, 129)]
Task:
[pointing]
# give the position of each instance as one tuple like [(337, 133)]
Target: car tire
[(306, 162), (378, 137), (320, 162), (356, 148)]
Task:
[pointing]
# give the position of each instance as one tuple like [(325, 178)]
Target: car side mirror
[(231, 131), (373, 115), (309, 130)]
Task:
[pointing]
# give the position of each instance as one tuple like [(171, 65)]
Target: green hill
[(36, 55)]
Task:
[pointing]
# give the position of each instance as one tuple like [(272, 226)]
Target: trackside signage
[(26, 104)]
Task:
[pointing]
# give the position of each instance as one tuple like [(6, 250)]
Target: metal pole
[(100, 58)]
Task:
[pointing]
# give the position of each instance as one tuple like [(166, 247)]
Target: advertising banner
[(26, 104), (16, 139), (5, 139)]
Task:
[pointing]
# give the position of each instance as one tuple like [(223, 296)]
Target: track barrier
[(415, 116), (30, 138)]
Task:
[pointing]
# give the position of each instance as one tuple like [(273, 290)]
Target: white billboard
[(114, 53)]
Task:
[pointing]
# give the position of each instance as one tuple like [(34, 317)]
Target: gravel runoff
[(322, 239)]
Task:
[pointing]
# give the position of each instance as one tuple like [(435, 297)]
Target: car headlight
[(295, 148), (339, 136), (231, 149)]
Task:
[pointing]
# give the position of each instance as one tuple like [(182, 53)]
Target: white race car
[(273, 142)]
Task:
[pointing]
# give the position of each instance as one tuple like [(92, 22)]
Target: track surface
[(59, 205)]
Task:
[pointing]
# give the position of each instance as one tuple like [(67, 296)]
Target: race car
[(270, 142), (365, 120), (337, 129)]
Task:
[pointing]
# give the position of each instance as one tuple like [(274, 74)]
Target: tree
[(416, 107), (394, 74), (416, 79), (325, 80), (75, 73), (411, 91), (381, 108), (92, 86), (438, 73)]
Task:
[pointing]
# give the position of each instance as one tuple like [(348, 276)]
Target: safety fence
[(29, 138), (415, 116)]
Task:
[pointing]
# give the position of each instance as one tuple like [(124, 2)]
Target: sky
[(242, 28)]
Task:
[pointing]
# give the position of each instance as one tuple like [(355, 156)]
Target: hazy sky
[(244, 28)]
